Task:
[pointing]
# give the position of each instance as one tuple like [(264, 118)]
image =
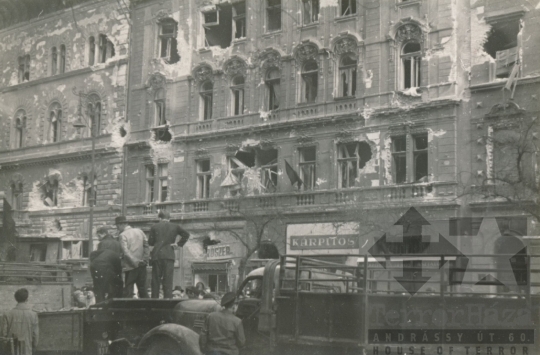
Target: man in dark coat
[(163, 238), (21, 323), (106, 241), (106, 270)]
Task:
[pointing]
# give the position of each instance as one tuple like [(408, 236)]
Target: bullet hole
[(123, 132)]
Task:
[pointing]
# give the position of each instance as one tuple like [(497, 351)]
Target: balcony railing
[(393, 194)]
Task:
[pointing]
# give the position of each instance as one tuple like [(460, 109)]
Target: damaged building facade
[(252, 120), (62, 63)]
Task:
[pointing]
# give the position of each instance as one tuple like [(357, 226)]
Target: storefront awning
[(201, 267)]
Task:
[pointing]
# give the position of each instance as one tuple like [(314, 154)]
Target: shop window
[(267, 160), (502, 44), (89, 195), (204, 175), (237, 92), (24, 68), (218, 26), (410, 65), (62, 62), (38, 252), (401, 165), (49, 193), (20, 129), (207, 97), (150, 180), (106, 48), (273, 15), (163, 182), (239, 19), (94, 114), (91, 50), (310, 73), (351, 157), (54, 60), (168, 45), (55, 122), (74, 249), (347, 76), (347, 7), (272, 84), (310, 11), (218, 283), (16, 195), (307, 164)]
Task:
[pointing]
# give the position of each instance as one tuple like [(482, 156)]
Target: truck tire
[(163, 346)]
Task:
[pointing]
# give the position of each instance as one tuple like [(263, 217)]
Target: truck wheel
[(163, 346)]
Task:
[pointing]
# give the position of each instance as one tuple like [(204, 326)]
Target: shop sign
[(316, 242), (323, 238), (221, 251)]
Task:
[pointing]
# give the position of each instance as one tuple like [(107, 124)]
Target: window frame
[(106, 48), (62, 61), (239, 18), (169, 39), (272, 96), (55, 121), (24, 68), (20, 129), (17, 190), (309, 183), (314, 10), (150, 181), (414, 64), (203, 178), (83, 248), (94, 106), (163, 182), (408, 157), (88, 190), (399, 158), (270, 9), (238, 92), (347, 75), (344, 161), (207, 101), (54, 61), (91, 50), (308, 87), (269, 171), (343, 12)]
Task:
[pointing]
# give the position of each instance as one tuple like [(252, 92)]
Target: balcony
[(373, 197), (327, 109)]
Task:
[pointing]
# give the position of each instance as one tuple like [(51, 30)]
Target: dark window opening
[(106, 48), (62, 66), (399, 158), (163, 182), (273, 15), (91, 50), (24, 68), (20, 129), (347, 76), (76, 249), (310, 74), (348, 7), (204, 174), (55, 117), (410, 61), (267, 160), (54, 60), (237, 90), (351, 158), (89, 196), (49, 193), (272, 82), (218, 283), (311, 11), (308, 157), (159, 108), (218, 26), (207, 97), (94, 114), (502, 44), (420, 156), (239, 19), (16, 195), (38, 252), (150, 179), (168, 49)]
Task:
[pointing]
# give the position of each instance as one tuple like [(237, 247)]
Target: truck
[(337, 304)]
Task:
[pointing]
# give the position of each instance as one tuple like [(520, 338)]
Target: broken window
[(89, 196), (307, 164), (24, 68), (399, 158), (49, 193), (347, 7), (159, 108), (273, 15), (207, 96), (74, 249), (310, 11), (410, 65), (106, 48), (267, 160), (347, 76), (310, 73), (203, 178), (150, 179), (351, 157), (272, 83), (94, 114), (38, 251), (502, 44), (91, 50), (168, 45), (16, 195), (263, 159), (401, 164), (54, 60), (237, 91), (55, 118), (218, 26), (420, 156), (62, 66), (239, 19), (163, 182), (20, 128)]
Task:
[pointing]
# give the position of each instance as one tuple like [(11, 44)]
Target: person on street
[(21, 324), (163, 237), (135, 257), (223, 332), (106, 241)]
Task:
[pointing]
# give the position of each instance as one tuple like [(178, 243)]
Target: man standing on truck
[(163, 238), (106, 241), (136, 252), (106, 270), (21, 324), (223, 332)]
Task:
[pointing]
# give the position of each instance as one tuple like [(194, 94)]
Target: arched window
[(159, 108), (62, 68), (54, 60), (310, 72), (347, 76), (94, 113), (16, 195), (237, 91), (410, 65), (20, 129), (207, 98), (272, 83), (55, 118), (91, 50)]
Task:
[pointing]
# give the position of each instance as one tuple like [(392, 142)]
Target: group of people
[(131, 255)]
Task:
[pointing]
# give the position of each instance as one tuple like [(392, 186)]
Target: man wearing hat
[(163, 238), (223, 332), (136, 253), (106, 241)]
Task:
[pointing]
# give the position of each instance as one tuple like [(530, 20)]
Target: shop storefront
[(219, 272)]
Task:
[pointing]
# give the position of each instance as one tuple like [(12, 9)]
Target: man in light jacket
[(21, 324), (136, 253)]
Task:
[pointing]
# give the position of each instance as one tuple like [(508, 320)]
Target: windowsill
[(345, 18), (344, 98), (204, 50), (402, 3), (272, 33), (239, 40), (308, 26)]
